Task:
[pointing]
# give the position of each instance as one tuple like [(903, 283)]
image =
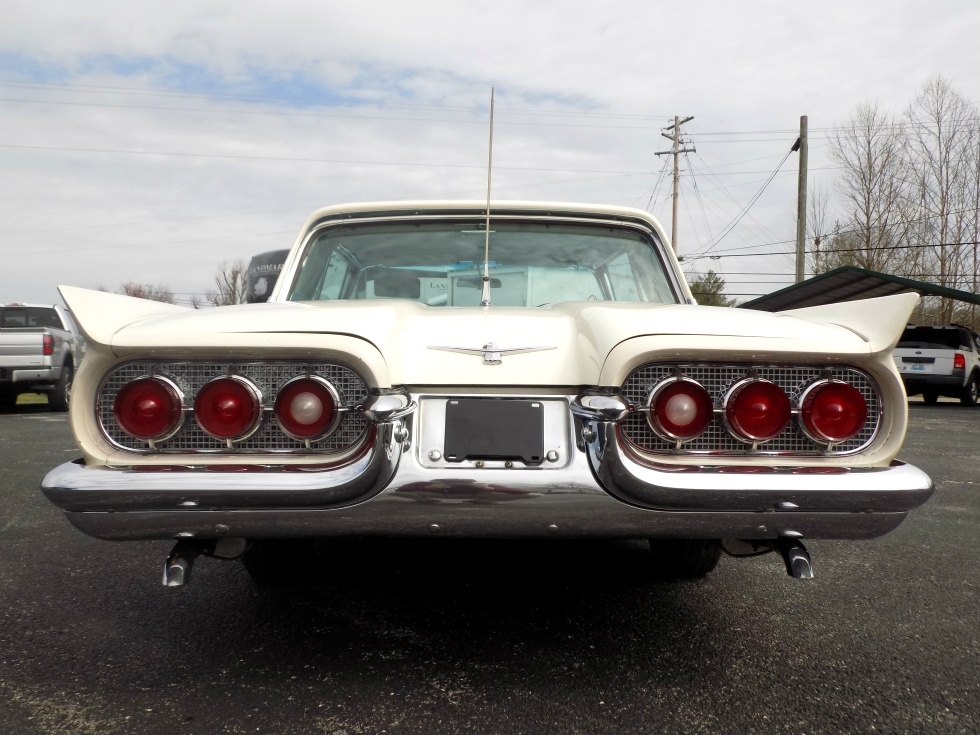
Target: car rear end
[(939, 361), (525, 400), (31, 353)]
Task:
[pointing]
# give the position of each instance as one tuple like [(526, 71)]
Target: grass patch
[(30, 399)]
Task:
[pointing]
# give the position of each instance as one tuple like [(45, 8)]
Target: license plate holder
[(494, 429)]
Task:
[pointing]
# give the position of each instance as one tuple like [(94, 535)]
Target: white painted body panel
[(402, 333)]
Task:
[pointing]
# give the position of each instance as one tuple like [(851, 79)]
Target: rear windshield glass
[(441, 264), (29, 316), (930, 338)]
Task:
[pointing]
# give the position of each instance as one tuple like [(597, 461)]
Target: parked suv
[(940, 361)]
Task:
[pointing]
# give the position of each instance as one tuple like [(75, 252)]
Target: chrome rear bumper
[(602, 491)]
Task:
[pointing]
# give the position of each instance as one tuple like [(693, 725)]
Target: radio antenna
[(486, 244)]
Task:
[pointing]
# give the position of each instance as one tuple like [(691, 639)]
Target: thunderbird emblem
[(491, 352)]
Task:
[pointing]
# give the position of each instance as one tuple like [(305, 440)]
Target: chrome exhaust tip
[(177, 568), (796, 558)]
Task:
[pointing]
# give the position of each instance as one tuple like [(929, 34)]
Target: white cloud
[(610, 75)]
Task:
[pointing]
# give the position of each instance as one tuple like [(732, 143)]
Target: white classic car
[(542, 371)]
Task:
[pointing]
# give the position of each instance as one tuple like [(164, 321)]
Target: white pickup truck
[(39, 349), (940, 361)]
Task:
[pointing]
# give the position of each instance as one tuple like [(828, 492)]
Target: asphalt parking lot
[(501, 637)]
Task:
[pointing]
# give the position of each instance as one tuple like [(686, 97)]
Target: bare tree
[(818, 227), (942, 156), (230, 281), (911, 191), (869, 148), (975, 224), (153, 292)]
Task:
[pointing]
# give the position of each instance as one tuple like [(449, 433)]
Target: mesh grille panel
[(717, 379), (269, 377)]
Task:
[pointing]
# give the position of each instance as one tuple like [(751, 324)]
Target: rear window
[(936, 338), (29, 316), (441, 264)]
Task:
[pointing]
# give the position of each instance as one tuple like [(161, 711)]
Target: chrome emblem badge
[(490, 351)]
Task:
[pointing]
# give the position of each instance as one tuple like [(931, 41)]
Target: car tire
[(930, 396), (58, 398), (970, 392), (684, 558), (278, 561)]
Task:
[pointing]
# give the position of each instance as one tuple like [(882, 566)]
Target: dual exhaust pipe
[(177, 568)]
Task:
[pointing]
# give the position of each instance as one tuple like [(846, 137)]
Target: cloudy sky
[(152, 143)]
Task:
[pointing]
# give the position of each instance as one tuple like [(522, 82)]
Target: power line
[(185, 154), (724, 190), (746, 208), (334, 115), (241, 236), (923, 218), (840, 250), (355, 162), (265, 99)]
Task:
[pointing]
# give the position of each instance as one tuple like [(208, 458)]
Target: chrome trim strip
[(75, 487), (549, 516), (897, 488)]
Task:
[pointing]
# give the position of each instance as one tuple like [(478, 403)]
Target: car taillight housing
[(756, 410), (680, 409), (228, 408), (47, 344), (149, 408), (832, 411), (306, 408), (959, 361)]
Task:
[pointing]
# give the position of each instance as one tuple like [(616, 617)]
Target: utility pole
[(675, 151), (801, 146)]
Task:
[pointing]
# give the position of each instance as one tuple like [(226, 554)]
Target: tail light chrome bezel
[(336, 409), (178, 401), (251, 391), (806, 398), (730, 412), (705, 411)]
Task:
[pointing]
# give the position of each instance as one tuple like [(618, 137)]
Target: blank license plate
[(487, 428)]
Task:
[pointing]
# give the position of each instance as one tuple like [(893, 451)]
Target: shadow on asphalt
[(33, 407), (503, 610)]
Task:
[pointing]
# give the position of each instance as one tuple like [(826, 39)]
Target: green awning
[(850, 284)]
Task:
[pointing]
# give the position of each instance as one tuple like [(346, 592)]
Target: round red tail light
[(757, 410), (306, 408), (680, 409), (832, 411), (148, 408), (228, 408)]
